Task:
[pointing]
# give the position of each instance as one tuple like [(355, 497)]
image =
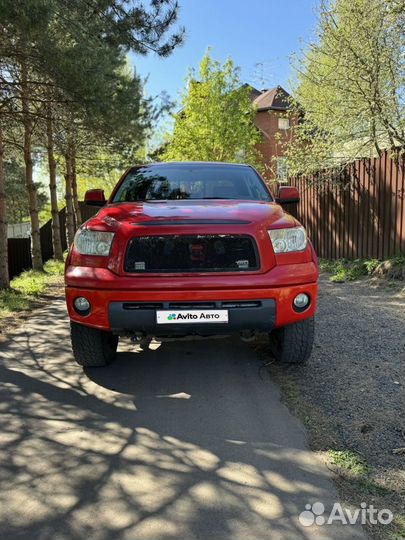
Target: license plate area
[(192, 316)]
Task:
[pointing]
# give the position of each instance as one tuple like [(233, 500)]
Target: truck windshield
[(161, 182)]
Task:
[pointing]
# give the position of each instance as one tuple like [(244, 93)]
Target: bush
[(344, 270)]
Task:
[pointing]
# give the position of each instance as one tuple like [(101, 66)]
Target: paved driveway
[(183, 440)]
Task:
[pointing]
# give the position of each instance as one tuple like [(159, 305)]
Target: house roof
[(254, 93), (276, 98)]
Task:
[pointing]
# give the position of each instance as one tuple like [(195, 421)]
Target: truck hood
[(269, 215)]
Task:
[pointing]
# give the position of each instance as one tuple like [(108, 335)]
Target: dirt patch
[(351, 394)]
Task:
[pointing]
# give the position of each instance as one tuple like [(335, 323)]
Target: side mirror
[(288, 195), (95, 197)]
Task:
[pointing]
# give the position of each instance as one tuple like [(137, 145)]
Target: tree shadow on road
[(187, 440)]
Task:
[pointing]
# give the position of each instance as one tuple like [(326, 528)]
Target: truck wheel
[(292, 344), (92, 347)]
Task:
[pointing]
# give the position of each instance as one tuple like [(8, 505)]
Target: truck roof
[(187, 163)]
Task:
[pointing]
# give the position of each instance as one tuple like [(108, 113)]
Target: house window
[(283, 123), (282, 169)]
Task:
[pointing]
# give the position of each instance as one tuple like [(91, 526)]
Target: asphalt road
[(185, 440)]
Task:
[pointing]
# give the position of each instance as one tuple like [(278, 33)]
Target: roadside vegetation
[(28, 286), (342, 270)]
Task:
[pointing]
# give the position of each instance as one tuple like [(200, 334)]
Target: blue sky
[(252, 32)]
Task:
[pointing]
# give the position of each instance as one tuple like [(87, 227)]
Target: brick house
[(274, 124)]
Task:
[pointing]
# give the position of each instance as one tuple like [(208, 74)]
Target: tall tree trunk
[(4, 276), (36, 253), (56, 238), (70, 222), (76, 206)]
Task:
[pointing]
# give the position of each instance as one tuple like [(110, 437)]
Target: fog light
[(301, 302), (82, 305)]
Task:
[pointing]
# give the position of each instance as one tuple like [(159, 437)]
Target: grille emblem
[(197, 252)]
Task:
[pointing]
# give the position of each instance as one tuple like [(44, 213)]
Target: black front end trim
[(133, 317)]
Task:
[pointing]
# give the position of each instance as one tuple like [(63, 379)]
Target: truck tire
[(292, 344), (92, 347)]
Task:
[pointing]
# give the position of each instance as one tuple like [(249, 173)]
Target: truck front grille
[(199, 253)]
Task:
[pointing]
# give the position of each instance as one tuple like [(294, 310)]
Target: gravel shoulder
[(351, 393)]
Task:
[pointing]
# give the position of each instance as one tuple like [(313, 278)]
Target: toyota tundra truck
[(191, 249)]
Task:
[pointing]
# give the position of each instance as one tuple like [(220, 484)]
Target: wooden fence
[(358, 212), (19, 249)]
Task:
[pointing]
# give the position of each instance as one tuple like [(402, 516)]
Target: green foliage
[(398, 529), (350, 85), (16, 193), (27, 286), (30, 282), (349, 460), (54, 267), (12, 301), (355, 468), (398, 260), (216, 121), (106, 181), (344, 270), (102, 168), (371, 265)]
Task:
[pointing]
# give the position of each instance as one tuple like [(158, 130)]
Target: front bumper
[(275, 310), (141, 316)]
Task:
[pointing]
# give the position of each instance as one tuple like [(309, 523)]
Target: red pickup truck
[(191, 248)]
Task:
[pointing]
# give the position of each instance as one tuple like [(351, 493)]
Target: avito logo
[(192, 316), (186, 316)]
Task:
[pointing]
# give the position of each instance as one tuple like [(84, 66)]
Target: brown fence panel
[(19, 249), (358, 212), (19, 255), (88, 211), (46, 241)]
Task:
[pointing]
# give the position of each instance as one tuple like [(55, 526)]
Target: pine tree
[(4, 274)]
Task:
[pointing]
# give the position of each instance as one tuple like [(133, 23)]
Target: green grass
[(358, 481), (398, 530), (350, 461), (357, 471), (344, 270), (27, 286), (54, 267)]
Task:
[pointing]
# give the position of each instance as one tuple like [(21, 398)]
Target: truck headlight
[(89, 242), (286, 240)]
